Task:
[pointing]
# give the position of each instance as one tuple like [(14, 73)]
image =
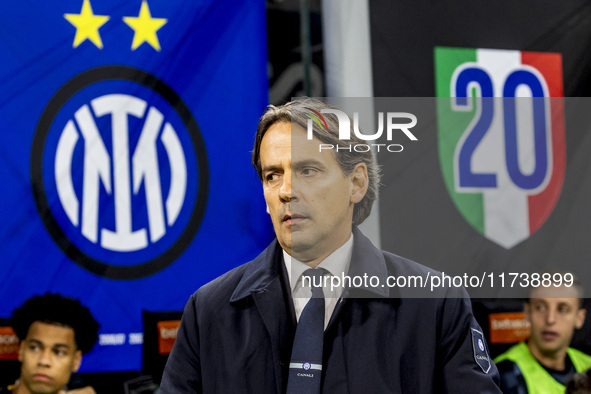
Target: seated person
[(54, 332), (546, 362)]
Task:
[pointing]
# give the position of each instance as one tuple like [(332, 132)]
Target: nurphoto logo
[(392, 123)]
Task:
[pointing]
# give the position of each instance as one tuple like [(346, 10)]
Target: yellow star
[(145, 27), (87, 25)]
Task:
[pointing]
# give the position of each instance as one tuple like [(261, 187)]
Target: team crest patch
[(480, 352)]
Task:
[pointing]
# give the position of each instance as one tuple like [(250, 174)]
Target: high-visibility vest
[(538, 380)]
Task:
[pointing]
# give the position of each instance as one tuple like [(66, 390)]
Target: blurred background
[(132, 216)]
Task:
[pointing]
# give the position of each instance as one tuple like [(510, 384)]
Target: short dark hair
[(296, 112), (576, 283), (60, 311)]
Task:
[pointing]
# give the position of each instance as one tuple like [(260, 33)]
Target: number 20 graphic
[(480, 125)]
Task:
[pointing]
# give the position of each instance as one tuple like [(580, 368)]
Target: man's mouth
[(42, 378), (293, 219), (549, 335)]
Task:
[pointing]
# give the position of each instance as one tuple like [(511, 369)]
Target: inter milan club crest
[(120, 172), (501, 138)]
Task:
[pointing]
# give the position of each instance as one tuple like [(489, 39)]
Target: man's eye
[(540, 308), (59, 352), (272, 177), (563, 309), (308, 171), (34, 347)]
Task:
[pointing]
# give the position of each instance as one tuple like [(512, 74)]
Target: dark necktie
[(305, 367)]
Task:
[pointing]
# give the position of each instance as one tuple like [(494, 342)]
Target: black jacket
[(237, 331)]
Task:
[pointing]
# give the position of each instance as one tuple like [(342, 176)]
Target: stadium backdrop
[(127, 126), (125, 149), (423, 49)]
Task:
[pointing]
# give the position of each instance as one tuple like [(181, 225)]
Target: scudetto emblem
[(501, 138)]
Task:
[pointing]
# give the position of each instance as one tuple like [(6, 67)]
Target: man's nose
[(286, 192), (45, 358), (551, 316)]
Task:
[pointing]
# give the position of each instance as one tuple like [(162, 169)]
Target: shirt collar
[(337, 263)]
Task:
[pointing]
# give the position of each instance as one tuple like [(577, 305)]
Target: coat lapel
[(263, 281), (273, 313), (366, 260)]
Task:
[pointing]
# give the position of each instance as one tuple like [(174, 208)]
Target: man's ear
[(359, 182), (581, 314), (21, 351), (77, 361), (527, 311)]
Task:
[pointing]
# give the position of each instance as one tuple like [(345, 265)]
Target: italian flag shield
[(501, 137)]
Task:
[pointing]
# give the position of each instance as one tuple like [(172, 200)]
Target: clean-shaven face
[(309, 198), (48, 355), (554, 314)]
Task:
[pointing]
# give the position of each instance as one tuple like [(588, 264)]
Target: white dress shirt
[(337, 264)]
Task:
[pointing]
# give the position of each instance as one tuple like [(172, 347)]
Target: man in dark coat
[(386, 329)]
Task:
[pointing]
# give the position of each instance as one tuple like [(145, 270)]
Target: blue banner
[(125, 149)]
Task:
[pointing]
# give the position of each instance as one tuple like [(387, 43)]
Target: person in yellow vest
[(544, 363)]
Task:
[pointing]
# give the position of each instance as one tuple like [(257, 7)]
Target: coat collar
[(259, 272), (366, 259)]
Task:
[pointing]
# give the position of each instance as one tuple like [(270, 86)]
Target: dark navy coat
[(237, 331)]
